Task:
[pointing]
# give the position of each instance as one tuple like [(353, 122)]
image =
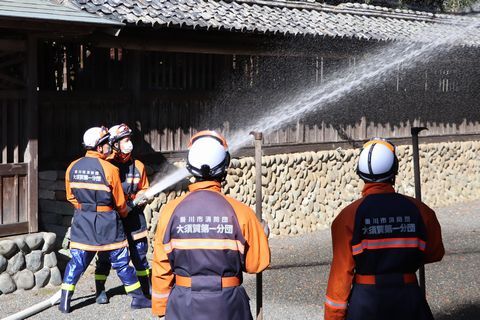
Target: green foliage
[(421, 5), (458, 5)]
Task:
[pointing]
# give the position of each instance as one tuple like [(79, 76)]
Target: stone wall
[(27, 262), (303, 192), (55, 212)]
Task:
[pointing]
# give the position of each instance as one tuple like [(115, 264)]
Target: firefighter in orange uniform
[(93, 187), (134, 182), (379, 242), (204, 241)]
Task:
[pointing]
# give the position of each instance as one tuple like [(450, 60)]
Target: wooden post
[(31, 153), (418, 191), (258, 208)]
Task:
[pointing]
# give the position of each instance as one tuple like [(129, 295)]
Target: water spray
[(422, 46), (163, 184)]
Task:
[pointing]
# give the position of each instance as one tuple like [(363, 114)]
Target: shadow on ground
[(466, 312), (90, 299)]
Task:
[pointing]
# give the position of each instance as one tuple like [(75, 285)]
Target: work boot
[(65, 299), (146, 284), (139, 301), (100, 292)]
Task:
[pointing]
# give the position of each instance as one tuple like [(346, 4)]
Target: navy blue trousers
[(399, 302), (118, 258), (208, 304), (138, 254)]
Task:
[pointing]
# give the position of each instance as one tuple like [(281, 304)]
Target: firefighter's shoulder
[(108, 167), (239, 207), (420, 205), (139, 165), (73, 163), (347, 214)]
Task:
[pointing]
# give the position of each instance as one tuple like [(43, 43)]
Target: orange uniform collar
[(205, 185), (117, 156), (94, 154), (378, 187)]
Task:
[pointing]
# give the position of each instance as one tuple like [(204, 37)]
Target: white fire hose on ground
[(36, 308)]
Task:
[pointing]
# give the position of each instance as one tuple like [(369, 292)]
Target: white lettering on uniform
[(220, 228), (180, 229), (229, 229)]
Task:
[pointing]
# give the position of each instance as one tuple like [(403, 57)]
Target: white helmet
[(377, 161), (94, 137), (117, 133), (208, 156)]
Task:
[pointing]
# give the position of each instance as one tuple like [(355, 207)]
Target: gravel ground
[(294, 286)]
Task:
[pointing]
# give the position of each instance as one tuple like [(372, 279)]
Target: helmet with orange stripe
[(118, 133), (208, 156), (378, 161)]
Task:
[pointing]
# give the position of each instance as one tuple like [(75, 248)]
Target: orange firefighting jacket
[(112, 179), (132, 174), (133, 177), (343, 266), (255, 257), (93, 186)]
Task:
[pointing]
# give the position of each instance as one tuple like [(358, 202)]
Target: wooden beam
[(48, 28), (12, 169), (217, 42), (12, 45), (13, 229), (12, 94)]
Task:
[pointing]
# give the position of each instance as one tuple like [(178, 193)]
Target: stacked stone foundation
[(28, 262)]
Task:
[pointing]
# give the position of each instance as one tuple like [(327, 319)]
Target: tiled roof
[(46, 10), (348, 20)]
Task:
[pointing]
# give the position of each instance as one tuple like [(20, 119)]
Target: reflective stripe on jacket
[(93, 187), (382, 233), (202, 234), (133, 177)]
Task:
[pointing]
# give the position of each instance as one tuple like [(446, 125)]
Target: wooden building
[(22, 25), (178, 66)]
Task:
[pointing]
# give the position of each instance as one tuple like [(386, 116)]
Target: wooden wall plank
[(22, 198), (13, 229), (9, 202), (5, 131), (14, 128), (1, 200)]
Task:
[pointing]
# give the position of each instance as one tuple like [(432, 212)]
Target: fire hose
[(36, 308)]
